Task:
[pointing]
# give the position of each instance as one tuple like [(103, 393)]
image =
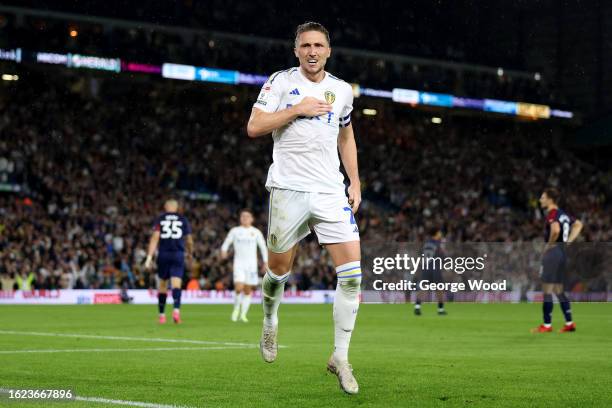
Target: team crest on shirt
[(330, 97), (273, 239)]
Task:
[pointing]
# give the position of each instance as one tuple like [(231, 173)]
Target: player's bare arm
[(262, 123), (555, 230), (575, 231), (263, 252), (229, 240), (348, 155), (151, 250)]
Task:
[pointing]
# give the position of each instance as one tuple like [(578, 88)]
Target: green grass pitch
[(478, 356)]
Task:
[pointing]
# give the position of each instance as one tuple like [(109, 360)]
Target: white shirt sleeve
[(261, 243), (229, 240), (271, 92), (345, 115)]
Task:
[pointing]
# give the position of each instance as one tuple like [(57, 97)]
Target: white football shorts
[(246, 275), (292, 214)]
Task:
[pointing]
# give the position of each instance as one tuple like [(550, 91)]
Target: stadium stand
[(95, 158)]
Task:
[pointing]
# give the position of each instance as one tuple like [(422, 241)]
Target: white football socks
[(346, 305), (272, 287), (246, 303), (237, 301)]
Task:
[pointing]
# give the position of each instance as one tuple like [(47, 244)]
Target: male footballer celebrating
[(308, 112)]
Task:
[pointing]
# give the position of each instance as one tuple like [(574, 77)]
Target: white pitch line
[(113, 401), (128, 403), (153, 339), (96, 350)]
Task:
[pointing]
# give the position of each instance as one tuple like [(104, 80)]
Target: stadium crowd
[(94, 168)]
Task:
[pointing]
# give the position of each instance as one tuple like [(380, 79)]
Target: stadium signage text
[(233, 77)]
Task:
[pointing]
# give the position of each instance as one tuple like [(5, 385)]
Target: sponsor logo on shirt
[(262, 99)]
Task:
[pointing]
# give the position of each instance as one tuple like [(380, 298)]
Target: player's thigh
[(548, 288), (436, 276), (252, 278), (164, 266), (344, 252), (177, 270), (287, 219), (248, 289), (553, 266), (238, 286), (336, 228), (239, 277), (426, 275), (281, 263)]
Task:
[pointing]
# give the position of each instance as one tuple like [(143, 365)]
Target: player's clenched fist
[(310, 106), (148, 263)]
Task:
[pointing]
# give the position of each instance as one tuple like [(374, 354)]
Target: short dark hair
[(311, 26), (553, 194), (247, 210)]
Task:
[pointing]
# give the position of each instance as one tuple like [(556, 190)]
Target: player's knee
[(279, 264), (162, 287), (279, 270)]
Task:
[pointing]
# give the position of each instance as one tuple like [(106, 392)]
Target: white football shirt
[(245, 242), (305, 156)]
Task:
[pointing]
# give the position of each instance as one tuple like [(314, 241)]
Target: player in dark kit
[(173, 233), (432, 271), (560, 229)]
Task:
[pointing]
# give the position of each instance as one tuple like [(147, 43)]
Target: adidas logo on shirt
[(294, 92)]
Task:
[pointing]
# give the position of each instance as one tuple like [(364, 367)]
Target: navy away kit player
[(172, 232), (432, 271), (560, 229)]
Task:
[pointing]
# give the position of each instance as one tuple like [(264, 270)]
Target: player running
[(560, 228), (432, 271), (245, 239), (308, 112), (173, 232)]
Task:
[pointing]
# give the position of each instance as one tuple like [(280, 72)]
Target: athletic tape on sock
[(349, 270)]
